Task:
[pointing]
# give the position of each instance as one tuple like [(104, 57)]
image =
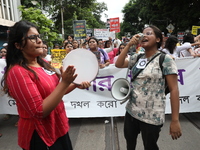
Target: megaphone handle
[(123, 101)]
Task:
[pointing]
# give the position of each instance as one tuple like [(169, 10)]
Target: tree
[(131, 22), (89, 10), (45, 25), (182, 14)]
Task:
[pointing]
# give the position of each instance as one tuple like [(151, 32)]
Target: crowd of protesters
[(34, 63), (188, 47)]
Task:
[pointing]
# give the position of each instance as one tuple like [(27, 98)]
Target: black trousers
[(150, 133), (62, 143)]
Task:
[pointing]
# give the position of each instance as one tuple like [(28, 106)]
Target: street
[(103, 134)]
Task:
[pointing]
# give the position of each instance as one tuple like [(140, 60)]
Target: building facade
[(9, 14)]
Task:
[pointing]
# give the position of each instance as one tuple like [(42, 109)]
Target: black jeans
[(150, 133), (62, 143)]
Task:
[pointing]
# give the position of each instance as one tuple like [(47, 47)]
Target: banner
[(195, 30), (97, 101), (114, 25), (79, 27), (180, 36), (57, 56), (102, 34), (89, 32)]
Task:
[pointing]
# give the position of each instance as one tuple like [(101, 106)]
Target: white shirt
[(178, 49)]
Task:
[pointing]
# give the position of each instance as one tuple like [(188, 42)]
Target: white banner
[(102, 34), (98, 102)]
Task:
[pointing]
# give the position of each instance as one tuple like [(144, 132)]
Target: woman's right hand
[(68, 75), (134, 40)]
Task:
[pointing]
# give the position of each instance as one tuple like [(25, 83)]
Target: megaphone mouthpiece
[(121, 89)]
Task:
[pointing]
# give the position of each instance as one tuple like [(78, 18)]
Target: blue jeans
[(150, 133)]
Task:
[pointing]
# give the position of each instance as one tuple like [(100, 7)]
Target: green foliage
[(182, 14), (89, 10), (80, 10), (45, 25)]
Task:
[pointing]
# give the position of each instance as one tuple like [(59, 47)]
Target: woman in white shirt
[(175, 51)]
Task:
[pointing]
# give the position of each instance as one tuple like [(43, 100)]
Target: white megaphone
[(121, 90)]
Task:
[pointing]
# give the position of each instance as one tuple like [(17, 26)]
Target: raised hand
[(68, 75)]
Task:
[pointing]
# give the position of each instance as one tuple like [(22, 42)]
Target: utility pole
[(63, 33)]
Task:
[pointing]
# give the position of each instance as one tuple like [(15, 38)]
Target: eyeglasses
[(3, 52), (34, 38), (69, 46), (148, 33), (121, 48)]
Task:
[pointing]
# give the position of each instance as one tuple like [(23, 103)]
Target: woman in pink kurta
[(38, 91)]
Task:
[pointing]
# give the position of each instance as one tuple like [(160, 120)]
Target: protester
[(112, 54), (56, 46), (108, 44), (75, 44), (197, 38), (189, 39), (85, 45), (102, 56), (120, 49), (177, 51), (145, 111), (117, 43), (3, 52), (70, 38), (46, 56), (64, 42), (170, 47), (163, 41), (101, 44), (68, 47), (38, 91), (109, 48)]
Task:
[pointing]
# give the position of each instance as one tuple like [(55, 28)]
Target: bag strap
[(138, 57), (161, 59), (134, 77)]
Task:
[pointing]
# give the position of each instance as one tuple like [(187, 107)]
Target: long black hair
[(124, 44), (189, 37), (14, 55), (170, 43)]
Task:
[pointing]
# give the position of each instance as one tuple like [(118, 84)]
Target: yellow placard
[(195, 29), (57, 56)]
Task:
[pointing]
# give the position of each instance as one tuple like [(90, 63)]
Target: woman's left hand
[(84, 85), (175, 130)]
